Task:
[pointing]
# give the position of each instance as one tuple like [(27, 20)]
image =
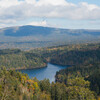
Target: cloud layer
[(12, 11)]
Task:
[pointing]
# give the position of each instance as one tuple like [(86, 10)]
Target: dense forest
[(17, 59), (17, 86), (80, 81), (84, 60)]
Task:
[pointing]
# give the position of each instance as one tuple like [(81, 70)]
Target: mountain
[(38, 36)]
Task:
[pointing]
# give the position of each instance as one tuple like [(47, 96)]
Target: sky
[(68, 14)]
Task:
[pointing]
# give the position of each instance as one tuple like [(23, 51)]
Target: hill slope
[(38, 36)]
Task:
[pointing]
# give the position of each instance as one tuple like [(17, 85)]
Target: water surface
[(42, 73)]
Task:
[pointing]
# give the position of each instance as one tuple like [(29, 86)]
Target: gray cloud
[(13, 10)]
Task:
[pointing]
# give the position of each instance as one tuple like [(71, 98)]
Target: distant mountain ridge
[(34, 34), (29, 30)]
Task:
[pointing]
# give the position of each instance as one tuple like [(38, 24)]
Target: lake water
[(48, 72)]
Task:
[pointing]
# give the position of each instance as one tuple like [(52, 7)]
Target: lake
[(48, 72)]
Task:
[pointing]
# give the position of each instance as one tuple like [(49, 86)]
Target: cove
[(48, 72)]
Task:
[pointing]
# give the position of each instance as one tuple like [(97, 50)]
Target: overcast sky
[(73, 14)]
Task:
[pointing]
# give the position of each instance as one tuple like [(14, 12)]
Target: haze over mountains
[(38, 36)]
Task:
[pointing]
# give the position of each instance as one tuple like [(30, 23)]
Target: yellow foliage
[(98, 98), (23, 79), (36, 84), (32, 85), (44, 96)]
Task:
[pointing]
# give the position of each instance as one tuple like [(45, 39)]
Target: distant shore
[(24, 68)]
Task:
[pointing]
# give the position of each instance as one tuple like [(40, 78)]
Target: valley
[(30, 37), (70, 82), (29, 56)]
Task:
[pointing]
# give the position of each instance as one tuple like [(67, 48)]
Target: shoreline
[(30, 68), (26, 68), (23, 68), (61, 65)]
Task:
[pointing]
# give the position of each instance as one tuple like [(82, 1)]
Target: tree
[(78, 89)]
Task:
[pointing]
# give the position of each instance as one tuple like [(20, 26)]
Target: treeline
[(85, 63), (74, 57), (17, 86), (9, 51), (84, 60), (90, 72), (69, 54), (37, 58), (17, 59)]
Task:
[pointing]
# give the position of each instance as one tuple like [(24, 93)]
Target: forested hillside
[(17, 59), (85, 63), (18, 86), (84, 60), (80, 81)]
